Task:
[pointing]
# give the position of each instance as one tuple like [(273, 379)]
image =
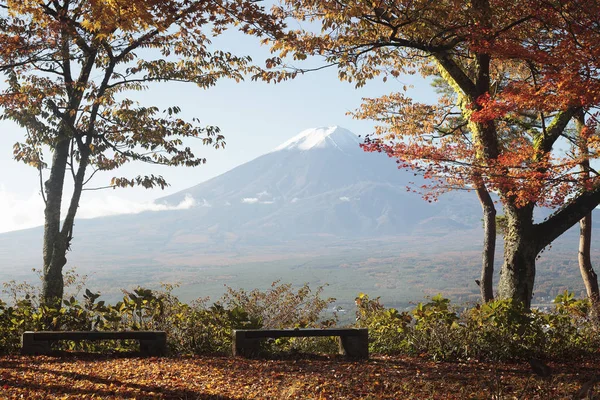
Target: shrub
[(569, 328), (499, 330), (387, 327), (197, 328), (436, 330), (503, 330), (281, 306)]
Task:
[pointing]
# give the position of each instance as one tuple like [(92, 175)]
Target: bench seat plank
[(306, 332), (353, 342), (95, 335), (151, 342)]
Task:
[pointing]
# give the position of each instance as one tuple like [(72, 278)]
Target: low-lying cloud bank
[(112, 205), (22, 212)]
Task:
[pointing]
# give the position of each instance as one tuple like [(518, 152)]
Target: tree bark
[(57, 240), (489, 244), (524, 240), (517, 275), (55, 247), (590, 279)]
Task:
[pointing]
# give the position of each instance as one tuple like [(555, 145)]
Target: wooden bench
[(353, 343), (153, 343)]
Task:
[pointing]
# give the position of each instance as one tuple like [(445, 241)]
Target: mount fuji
[(320, 182)]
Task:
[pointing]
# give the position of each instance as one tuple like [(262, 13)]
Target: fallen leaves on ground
[(98, 377)]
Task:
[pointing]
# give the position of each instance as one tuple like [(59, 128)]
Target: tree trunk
[(517, 275), (590, 279), (489, 244), (55, 246)]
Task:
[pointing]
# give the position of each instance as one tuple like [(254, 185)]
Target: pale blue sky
[(255, 117)]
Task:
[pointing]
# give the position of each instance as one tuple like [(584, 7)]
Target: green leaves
[(497, 330), (436, 311)]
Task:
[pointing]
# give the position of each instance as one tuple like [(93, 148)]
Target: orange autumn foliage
[(513, 73)]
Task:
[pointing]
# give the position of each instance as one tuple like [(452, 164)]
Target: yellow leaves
[(18, 7), (105, 16), (29, 153), (91, 26), (90, 57)]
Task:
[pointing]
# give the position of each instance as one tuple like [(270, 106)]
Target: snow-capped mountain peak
[(331, 136)]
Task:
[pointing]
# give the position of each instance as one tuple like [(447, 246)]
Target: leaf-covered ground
[(87, 377)]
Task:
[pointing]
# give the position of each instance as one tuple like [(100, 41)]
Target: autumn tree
[(70, 65), (520, 71)]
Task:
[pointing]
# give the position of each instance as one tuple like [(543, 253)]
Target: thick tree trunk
[(517, 275), (489, 244), (55, 246), (57, 240)]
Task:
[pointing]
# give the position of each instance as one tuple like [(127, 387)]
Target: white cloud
[(264, 193), (256, 200), (204, 203), (294, 200), (344, 198), (22, 212), (113, 205)]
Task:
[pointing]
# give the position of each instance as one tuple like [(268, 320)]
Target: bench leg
[(155, 347), (30, 347), (243, 346), (355, 346)]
